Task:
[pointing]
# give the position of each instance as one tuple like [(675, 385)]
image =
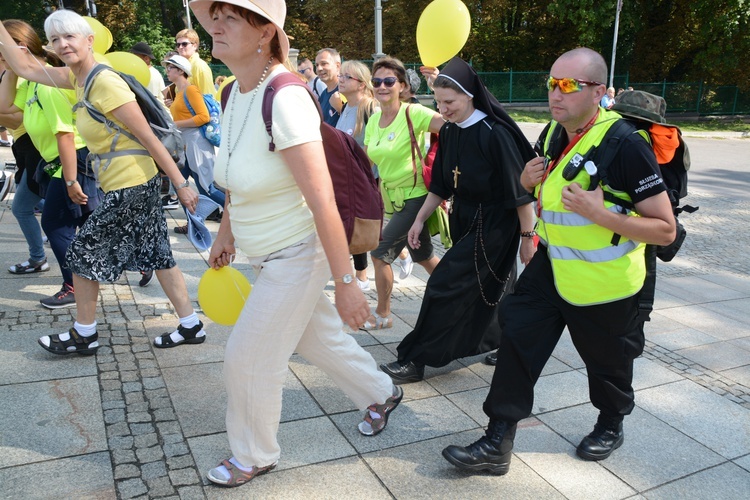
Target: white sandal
[(378, 322)]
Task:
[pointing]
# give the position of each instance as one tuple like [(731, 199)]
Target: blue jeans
[(212, 193), (59, 224), (23, 210)]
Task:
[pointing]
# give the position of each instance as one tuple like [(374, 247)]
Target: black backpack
[(157, 116), (674, 173)]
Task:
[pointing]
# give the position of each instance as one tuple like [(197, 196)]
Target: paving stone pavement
[(134, 421)]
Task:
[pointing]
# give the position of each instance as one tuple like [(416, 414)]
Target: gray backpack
[(157, 116)]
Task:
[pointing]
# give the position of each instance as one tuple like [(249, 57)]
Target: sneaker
[(406, 266), (5, 144), (6, 182), (30, 266), (76, 344), (64, 298), (364, 285), (146, 278), (169, 203), (376, 416)]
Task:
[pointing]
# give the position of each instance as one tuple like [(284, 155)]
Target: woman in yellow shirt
[(128, 230), (48, 120)]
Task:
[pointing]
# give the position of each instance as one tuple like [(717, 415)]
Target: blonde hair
[(367, 104), (191, 35)]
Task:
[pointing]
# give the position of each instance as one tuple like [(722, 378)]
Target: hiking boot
[(146, 278), (30, 266), (169, 203), (76, 344), (64, 298), (492, 452), (603, 440)]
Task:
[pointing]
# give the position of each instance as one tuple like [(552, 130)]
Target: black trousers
[(608, 338)]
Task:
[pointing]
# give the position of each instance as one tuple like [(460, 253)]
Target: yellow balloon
[(102, 59), (222, 294), (131, 64), (226, 82), (102, 35), (442, 31)]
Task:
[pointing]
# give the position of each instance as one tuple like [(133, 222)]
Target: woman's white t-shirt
[(267, 210)]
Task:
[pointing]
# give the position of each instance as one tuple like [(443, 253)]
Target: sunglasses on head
[(568, 85), (388, 82), (345, 78), (182, 44)]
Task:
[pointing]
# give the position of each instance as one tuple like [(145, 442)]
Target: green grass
[(706, 124)]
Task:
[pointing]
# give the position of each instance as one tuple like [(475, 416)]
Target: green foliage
[(658, 40)]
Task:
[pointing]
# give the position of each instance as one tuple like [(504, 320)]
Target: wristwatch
[(70, 183), (345, 279), (183, 185)]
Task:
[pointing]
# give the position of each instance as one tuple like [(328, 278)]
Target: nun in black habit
[(478, 166)]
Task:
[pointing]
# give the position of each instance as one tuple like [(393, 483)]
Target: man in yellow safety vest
[(587, 272)]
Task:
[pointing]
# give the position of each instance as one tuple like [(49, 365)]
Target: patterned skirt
[(127, 232)]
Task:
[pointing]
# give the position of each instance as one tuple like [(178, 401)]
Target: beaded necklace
[(230, 148)]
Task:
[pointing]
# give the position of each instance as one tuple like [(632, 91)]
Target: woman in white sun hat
[(281, 212)]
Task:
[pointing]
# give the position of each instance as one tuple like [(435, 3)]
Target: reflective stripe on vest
[(587, 267)]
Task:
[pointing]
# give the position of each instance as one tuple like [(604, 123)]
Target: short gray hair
[(66, 22)]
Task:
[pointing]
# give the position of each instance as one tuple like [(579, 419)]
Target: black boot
[(606, 437), (403, 373), (491, 359), (490, 453)]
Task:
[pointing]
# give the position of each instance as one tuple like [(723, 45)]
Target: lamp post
[(614, 45), (187, 14), (378, 31)]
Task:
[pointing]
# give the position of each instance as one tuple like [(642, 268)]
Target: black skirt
[(127, 232)]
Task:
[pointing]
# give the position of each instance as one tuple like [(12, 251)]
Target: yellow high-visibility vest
[(588, 268)]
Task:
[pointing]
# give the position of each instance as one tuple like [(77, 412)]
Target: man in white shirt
[(156, 83)]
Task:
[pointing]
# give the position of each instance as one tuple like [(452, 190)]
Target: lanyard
[(555, 162)]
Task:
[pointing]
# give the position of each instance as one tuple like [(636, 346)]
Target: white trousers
[(287, 311)]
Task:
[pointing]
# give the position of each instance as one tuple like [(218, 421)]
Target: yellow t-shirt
[(47, 111), (108, 93), (18, 132), (201, 75)]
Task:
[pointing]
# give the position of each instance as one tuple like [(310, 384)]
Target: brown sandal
[(237, 477), (181, 229), (372, 426)]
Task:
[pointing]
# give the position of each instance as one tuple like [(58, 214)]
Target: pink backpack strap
[(278, 83)]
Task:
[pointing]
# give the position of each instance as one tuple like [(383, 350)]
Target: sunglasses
[(182, 44), (388, 82), (304, 70), (568, 85), (345, 78)]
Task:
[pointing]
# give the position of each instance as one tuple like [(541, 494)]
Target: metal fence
[(517, 87), (681, 97)]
